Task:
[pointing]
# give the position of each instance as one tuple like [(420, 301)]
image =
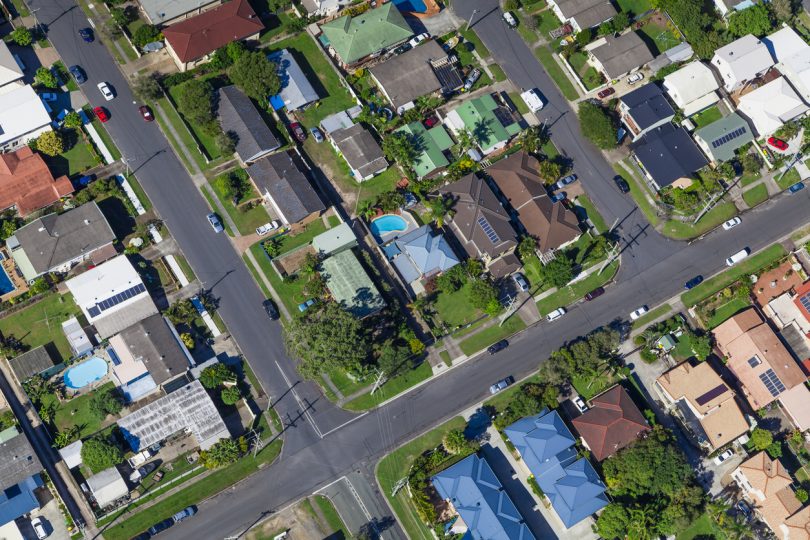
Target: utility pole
[(511, 307), (378, 382), (716, 198), (472, 16), (613, 254)]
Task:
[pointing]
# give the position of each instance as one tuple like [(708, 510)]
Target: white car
[(556, 314), (216, 224), (39, 528), (418, 39), (635, 77), (636, 315), (106, 91), (266, 228), (724, 456), (733, 222), (580, 403), (737, 257), (533, 100), (509, 19)]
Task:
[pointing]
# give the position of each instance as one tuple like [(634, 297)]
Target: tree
[(72, 120), (400, 147), (801, 494), (145, 34), (613, 522), (511, 5), (760, 439), (366, 209), (213, 376), (532, 139), (105, 403), (146, 87), (751, 164), (701, 346), (255, 75), (393, 359), (774, 450), (65, 437), (455, 442), (527, 248), (440, 207), (44, 77), (549, 171), (583, 37), (597, 125), (195, 101), (98, 454), (182, 311), (452, 279), (557, 272), (123, 16), (230, 395), (51, 143), (620, 21), (187, 339), (223, 452), (22, 36), (236, 50), (783, 10), (754, 20), (484, 296)]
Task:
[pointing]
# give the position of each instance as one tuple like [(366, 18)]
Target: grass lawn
[(788, 179), (749, 266), (571, 293), (391, 388), (651, 315), (531, 269), (246, 220), (638, 191), (212, 203), (19, 7), (549, 150), (445, 356), (337, 528), (589, 387), (455, 308), (714, 217), (478, 45), (497, 73), (76, 412), (802, 475), (706, 117), (726, 311), (170, 116), (503, 398), (207, 142), (546, 22), (41, 323), (555, 71), (290, 292), (591, 212), (394, 467), (528, 35), (519, 103), (276, 24), (636, 7), (756, 195), (586, 72), (683, 349), (486, 337), (702, 527), (346, 384), (658, 37), (292, 241)]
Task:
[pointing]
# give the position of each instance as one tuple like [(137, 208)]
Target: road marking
[(345, 424), (359, 500), (300, 403), (89, 20)]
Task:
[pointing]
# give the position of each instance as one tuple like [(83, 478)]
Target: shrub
[(597, 125), (231, 395), (50, 143), (98, 454), (145, 34), (44, 77), (213, 376), (649, 356), (22, 36)]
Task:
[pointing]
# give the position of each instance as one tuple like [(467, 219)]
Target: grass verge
[(713, 218), (650, 316), (544, 54), (486, 337), (756, 195), (573, 292), (333, 521), (391, 388), (639, 192)]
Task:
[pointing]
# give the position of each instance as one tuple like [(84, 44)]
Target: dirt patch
[(291, 262), (299, 524)]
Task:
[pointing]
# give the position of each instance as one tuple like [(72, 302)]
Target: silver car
[(213, 219)]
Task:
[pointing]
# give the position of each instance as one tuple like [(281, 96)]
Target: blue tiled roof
[(19, 499), (478, 497), (429, 253)]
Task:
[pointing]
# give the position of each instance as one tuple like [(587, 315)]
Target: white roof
[(691, 82), (76, 336), (9, 70), (72, 454), (771, 105), (745, 57), (21, 112), (793, 57), (784, 43), (701, 103), (165, 10), (107, 486)]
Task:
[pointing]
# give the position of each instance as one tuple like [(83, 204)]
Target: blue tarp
[(276, 102)]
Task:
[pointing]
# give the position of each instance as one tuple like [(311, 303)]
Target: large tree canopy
[(597, 125), (255, 75)]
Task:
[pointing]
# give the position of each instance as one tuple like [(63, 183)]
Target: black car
[(597, 292), (142, 536), (78, 74), (694, 282), (622, 184), (86, 34), (160, 526), (499, 346), (270, 308)]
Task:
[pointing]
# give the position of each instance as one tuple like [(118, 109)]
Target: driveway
[(53, 520)]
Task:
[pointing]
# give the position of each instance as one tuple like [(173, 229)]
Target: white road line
[(91, 22), (300, 403), (359, 500), (332, 483), (345, 424)]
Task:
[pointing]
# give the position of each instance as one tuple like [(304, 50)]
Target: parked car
[(270, 309), (140, 458), (430, 121), (87, 34), (743, 508), (605, 93), (185, 513), (418, 39), (101, 114), (261, 230), (580, 403), (779, 144), (143, 536), (474, 75), (622, 184), (562, 182), (556, 314), (298, 132), (78, 74), (509, 19), (797, 187), (559, 196), (316, 134), (213, 219), (636, 315), (724, 456), (160, 526), (303, 306), (141, 472), (497, 347), (48, 96), (38, 524), (733, 222), (533, 99), (596, 293), (106, 91), (405, 47), (737, 257), (635, 77), (500, 385), (520, 281), (694, 282), (146, 113)]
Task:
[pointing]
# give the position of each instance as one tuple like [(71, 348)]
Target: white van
[(737, 257), (532, 99), (556, 314)]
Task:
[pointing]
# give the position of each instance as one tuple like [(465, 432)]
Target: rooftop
[(354, 38), (9, 69), (360, 150), (623, 54), (771, 105), (335, 239), (31, 363), (690, 83), (431, 144), (18, 460), (489, 123), (296, 90), (647, 106), (238, 115), (153, 342), (107, 486), (350, 285), (744, 59), (282, 177), (723, 137), (612, 422), (668, 154), (21, 112), (166, 10), (427, 252)]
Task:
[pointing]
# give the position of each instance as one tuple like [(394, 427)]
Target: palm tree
[(366, 209), (465, 140), (440, 207), (530, 139)]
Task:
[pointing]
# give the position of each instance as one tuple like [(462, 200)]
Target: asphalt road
[(653, 269)]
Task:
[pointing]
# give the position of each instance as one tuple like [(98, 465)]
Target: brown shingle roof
[(27, 184), (612, 422), (195, 37)]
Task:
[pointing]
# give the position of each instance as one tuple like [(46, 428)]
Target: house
[(334, 240), (76, 336), (30, 363), (26, 183), (771, 105), (582, 14), (484, 509), (58, 242), (337, 121), (418, 72), (421, 254), (20, 476), (10, 71), (703, 404), (721, 139), (353, 40), (767, 485), (481, 225), (281, 179), (741, 61), (240, 118), (792, 56), (319, 8), (548, 449), (612, 422), (188, 409), (552, 225), (668, 157), (349, 284), (729, 7), (692, 88), (107, 487), (618, 56), (491, 125), (23, 117), (360, 150), (644, 109), (192, 41), (431, 145), (802, 300), (112, 296), (165, 12), (296, 90)]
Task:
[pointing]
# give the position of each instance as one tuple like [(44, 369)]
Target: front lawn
[(291, 291), (246, 219), (205, 140), (636, 7), (589, 76), (41, 323), (756, 195), (391, 387), (454, 308), (726, 311), (486, 337), (706, 117), (79, 157), (588, 387), (477, 44), (713, 218), (702, 528), (788, 179), (573, 292), (555, 71)]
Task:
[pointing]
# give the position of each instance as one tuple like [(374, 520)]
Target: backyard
[(250, 213), (706, 116), (41, 323), (77, 412), (655, 32)]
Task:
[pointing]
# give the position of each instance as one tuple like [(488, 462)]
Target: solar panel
[(754, 361), (94, 311), (772, 382), (711, 394), (504, 116), (488, 230), (113, 356), (116, 299), (805, 300), (728, 137)]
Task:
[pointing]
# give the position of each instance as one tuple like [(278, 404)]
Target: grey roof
[(281, 177), (429, 253), (107, 486), (647, 106), (725, 136), (296, 91), (55, 239), (335, 240), (239, 116), (166, 10), (336, 121), (154, 343), (668, 153), (31, 363), (360, 150), (622, 54), (118, 320), (587, 13), (18, 460), (350, 284)]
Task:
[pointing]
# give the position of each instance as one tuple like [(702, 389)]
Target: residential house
[(76, 336), (552, 225), (107, 487), (771, 105), (481, 225), (721, 139), (582, 14), (668, 157), (420, 254), (166, 12), (491, 125), (431, 146), (741, 61), (729, 7), (418, 72), (20, 476), (30, 363), (644, 109), (792, 56), (692, 88), (296, 90), (10, 71), (319, 8), (612, 422), (26, 183), (703, 404), (547, 447), (58, 242), (334, 240), (352, 40), (802, 300), (112, 296), (337, 121), (240, 119), (23, 117), (349, 284), (281, 179), (360, 150), (618, 56), (193, 41), (484, 509)]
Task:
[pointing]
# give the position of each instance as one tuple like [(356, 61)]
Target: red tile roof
[(197, 36), (612, 422), (27, 184), (802, 299)]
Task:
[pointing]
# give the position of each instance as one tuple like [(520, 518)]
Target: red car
[(101, 114), (606, 92), (146, 113), (430, 121), (298, 132), (779, 144)]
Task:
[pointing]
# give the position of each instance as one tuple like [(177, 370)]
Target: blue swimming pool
[(6, 286), (387, 224), (417, 6), (85, 372)]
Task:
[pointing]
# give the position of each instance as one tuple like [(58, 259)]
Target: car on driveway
[(142, 472), (430, 121), (261, 230), (509, 19), (733, 222), (146, 113), (743, 508), (580, 403), (303, 306), (298, 132), (270, 309), (596, 293), (500, 385), (694, 282), (559, 196), (562, 182), (622, 184), (724, 456), (316, 134), (38, 524), (779, 144), (797, 187), (606, 92), (106, 91), (213, 219), (48, 96), (474, 75), (498, 346), (78, 74), (86, 34), (520, 281), (635, 77), (636, 314), (418, 39), (101, 114)]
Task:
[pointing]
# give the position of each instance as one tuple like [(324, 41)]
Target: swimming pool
[(85, 372), (416, 6), (6, 286), (387, 224)]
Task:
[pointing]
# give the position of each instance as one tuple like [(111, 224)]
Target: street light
[(472, 16), (126, 162)]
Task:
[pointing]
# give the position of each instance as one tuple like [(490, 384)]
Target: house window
[(754, 361)]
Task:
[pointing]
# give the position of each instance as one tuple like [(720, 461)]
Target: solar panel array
[(114, 300), (805, 300), (754, 361), (728, 137), (718, 390), (488, 230), (772, 383)]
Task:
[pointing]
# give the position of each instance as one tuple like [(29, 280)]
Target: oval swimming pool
[(388, 223), (85, 372)]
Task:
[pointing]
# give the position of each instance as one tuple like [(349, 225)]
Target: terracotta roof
[(802, 299), (27, 184), (197, 36), (612, 422), (776, 282)]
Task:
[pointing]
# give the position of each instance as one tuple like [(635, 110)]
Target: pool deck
[(386, 237), (20, 286)]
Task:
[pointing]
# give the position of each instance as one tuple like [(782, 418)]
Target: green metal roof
[(357, 37), (430, 142), (350, 285), (478, 116), (335, 239), (721, 139)]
